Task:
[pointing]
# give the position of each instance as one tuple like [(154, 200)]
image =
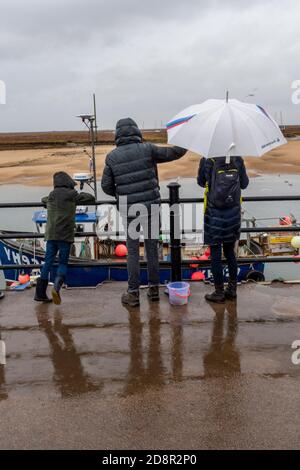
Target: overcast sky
[(144, 58)]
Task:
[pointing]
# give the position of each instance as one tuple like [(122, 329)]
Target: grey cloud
[(144, 58)]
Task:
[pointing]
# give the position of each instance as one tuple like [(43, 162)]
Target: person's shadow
[(69, 375), (223, 358)]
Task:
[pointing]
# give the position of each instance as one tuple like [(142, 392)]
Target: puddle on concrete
[(93, 344)]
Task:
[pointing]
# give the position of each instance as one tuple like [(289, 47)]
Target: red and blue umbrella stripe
[(178, 122)]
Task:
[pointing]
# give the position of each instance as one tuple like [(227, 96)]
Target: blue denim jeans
[(52, 248)]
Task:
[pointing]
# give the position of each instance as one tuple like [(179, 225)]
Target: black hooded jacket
[(61, 207), (221, 225), (131, 169)]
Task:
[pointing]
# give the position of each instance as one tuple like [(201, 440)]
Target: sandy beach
[(35, 167)]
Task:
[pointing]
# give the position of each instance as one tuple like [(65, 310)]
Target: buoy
[(207, 252), (23, 278), (285, 220), (295, 242), (198, 276), (121, 250), (194, 265)]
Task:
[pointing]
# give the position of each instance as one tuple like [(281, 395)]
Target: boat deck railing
[(176, 263)]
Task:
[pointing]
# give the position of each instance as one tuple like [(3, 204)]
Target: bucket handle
[(183, 296)]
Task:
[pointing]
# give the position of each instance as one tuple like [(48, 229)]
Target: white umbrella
[(218, 128)]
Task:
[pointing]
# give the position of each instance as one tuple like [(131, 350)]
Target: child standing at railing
[(61, 206)]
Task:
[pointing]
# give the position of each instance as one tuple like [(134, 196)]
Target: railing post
[(175, 231)]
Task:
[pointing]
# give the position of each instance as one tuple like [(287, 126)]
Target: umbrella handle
[(227, 160)]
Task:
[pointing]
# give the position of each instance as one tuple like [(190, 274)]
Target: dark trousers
[(151, 243), (52, 248), (216, 262)]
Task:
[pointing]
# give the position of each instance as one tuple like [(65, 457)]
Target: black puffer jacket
[(221, 225), (61, 207), (131, 169)]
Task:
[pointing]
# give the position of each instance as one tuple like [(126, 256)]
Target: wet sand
[(35, 167), (91, 374)]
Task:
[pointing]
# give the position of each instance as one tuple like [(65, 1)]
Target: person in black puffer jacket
[(222, 228), (130, 175)]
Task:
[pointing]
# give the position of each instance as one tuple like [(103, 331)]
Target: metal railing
[(185, 200), (175, 263)]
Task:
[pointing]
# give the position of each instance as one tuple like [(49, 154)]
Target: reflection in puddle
[(69, 375), (223, 359), (149, 373), (3, 392)]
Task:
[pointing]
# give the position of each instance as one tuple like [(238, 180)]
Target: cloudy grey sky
[(144, 58)]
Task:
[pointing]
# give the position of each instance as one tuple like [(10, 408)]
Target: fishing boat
[(98, 252), (94, 260)]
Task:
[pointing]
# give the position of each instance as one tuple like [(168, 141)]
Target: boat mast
[(93, 134), (90, 121), (95, 114)]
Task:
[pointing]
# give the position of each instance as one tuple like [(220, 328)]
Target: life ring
[(255, 276)]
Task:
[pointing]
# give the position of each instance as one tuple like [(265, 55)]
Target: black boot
[(58, 282), (230, 291), (132, 299), (217, 296), (153, 293), (41, 291)]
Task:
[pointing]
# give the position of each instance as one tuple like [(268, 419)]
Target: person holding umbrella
[(223, 131)]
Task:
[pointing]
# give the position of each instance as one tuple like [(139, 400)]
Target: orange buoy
[(286, 220), (194, 265), (121, 250), (198, 276), (23, 278)]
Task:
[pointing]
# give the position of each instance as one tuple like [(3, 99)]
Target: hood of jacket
[(127, 132), (63, 180)]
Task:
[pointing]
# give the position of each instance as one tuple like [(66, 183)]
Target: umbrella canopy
[(218, 128)]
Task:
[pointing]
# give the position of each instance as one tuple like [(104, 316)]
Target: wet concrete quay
[(92, 374)]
